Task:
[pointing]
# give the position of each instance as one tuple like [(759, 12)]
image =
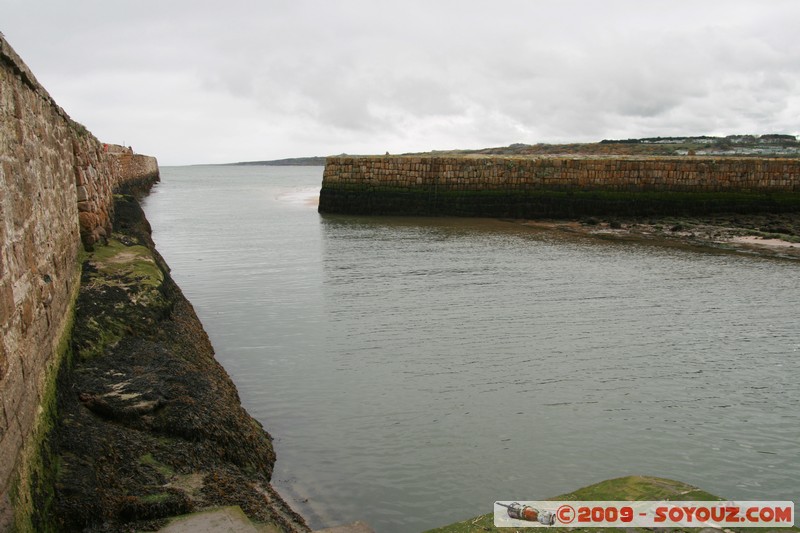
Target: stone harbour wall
[(56, 195), (530, 187), (100, 170)]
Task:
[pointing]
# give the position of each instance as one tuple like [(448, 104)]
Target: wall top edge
[(10, 57), (565, 157)]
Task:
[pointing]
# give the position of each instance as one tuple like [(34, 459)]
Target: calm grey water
[(413, 371)]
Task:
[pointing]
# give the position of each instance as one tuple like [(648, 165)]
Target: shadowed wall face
[(56, 191), (557, 187)]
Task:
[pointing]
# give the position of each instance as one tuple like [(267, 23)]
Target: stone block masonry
[(56, 195), (557, 187)]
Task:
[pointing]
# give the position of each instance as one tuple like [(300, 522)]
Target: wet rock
[(151, 426)]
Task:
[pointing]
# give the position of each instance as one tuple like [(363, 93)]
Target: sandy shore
[(764, 241)]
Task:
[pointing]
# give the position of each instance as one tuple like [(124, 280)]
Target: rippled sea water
[(414, 370)]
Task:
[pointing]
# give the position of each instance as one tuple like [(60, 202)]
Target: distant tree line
[(769, 138)]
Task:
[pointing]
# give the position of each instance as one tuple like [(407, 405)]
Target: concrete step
[(355, 527), (222, 520), (233, 520)]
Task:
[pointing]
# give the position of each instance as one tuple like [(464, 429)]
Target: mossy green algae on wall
[(33, 485), (557, 187)]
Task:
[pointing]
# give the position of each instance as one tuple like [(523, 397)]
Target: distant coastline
[(289, 162), (768, 146)]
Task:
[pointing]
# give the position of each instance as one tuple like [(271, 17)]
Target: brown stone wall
[(531, 187), (100, 169), (96, 175), (685, 174), (132, 166), (56, 188)]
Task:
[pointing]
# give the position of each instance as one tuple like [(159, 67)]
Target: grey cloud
[(285, 78)]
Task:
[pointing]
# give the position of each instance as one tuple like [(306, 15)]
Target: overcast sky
[(222, 81)]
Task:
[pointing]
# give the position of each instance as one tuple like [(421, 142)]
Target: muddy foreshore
[(767, 235), (149, 425)]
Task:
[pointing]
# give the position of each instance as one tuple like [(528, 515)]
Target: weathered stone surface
[(530, 187), (13, 387), (7, 306), (3, 367), (88, 221), (11, 441)]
